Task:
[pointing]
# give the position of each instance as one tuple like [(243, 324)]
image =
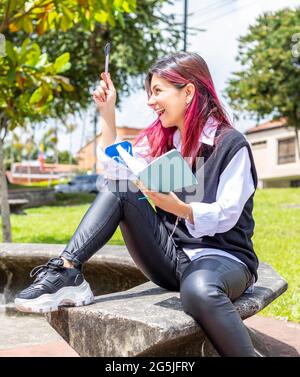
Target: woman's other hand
[(168, 202), (105, 94)]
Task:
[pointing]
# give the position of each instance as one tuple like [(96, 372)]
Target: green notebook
[(168, 172)]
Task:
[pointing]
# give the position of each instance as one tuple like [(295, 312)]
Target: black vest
[(237, 241)]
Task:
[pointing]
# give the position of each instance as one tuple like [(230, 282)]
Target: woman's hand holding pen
[(169, 202), (105, 94)]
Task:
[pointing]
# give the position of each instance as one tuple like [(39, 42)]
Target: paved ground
[(50, 349), (35, 337), (29, 335), (282, 337)]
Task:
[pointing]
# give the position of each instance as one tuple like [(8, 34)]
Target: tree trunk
[(297, 142), (5, 212), (70, 149)]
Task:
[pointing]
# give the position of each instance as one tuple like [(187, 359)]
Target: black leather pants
[(207, 285)]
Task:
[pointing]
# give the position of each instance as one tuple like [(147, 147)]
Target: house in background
[(28, 172), (275, 153), (85, 155)]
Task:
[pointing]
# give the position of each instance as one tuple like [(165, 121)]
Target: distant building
[(86, 153), (275, 154), (27, 172)]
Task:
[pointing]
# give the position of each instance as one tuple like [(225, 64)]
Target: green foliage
[(64, 157), (269, 83), (136, 42), (42, 15), (57, 78), (28, 80), (13, 151)]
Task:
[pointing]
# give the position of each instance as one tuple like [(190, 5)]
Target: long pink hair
[(180, 69)]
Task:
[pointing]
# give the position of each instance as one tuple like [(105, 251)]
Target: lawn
[(276, 237), (277, 242), (55, 223)]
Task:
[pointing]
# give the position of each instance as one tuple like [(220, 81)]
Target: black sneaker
[(54, 286)]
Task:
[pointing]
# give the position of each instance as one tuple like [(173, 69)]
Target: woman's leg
[(144, 233), (209, 285)]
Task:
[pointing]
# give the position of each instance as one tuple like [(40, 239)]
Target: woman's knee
[(200, 296)]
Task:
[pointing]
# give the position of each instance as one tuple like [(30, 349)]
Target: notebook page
[(134, 165)]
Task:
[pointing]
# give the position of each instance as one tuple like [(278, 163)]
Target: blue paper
[(112, 152)]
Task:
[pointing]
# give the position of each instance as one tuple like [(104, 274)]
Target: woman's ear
[(189, 92)]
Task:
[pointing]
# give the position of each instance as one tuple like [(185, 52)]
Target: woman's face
[(168, 102)]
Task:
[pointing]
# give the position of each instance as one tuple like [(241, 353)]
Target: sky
[(224, 21)]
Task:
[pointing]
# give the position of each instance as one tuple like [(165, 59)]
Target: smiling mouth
[(160, 112)]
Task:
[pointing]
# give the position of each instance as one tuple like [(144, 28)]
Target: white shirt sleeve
[(234, 189)]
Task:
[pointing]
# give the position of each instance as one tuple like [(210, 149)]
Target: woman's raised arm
[(105, 98)]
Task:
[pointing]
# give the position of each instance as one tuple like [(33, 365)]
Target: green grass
[(63, 199), (52, 224), (276, 236), (277, 242)]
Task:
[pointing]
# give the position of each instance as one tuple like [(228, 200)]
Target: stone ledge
[(35, 196), (149, 321)]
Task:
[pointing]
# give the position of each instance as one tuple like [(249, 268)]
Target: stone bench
[(138, 318), (16, 206), (149, 321)]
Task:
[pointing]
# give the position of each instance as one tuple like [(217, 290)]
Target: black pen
[(106, 52)]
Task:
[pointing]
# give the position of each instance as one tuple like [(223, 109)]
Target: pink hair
[(180, 69)]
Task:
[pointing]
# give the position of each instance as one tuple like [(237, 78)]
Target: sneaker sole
[(71, 296)]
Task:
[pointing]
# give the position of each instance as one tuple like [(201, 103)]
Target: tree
[(70, 127), (137, 40), (270, 81), (49, 142), (136, 43), (28, 80), (13, 150), (64, 157)]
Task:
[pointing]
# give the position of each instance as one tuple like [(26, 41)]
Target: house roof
[(267, 126)]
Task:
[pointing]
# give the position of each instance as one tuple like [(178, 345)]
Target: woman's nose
[(151, 101)]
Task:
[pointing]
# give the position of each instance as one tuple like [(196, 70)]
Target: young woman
[(198, 244)]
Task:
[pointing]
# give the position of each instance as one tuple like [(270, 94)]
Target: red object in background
[(41, 158)]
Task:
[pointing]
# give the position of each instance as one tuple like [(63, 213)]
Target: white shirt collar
[(207, 136)]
